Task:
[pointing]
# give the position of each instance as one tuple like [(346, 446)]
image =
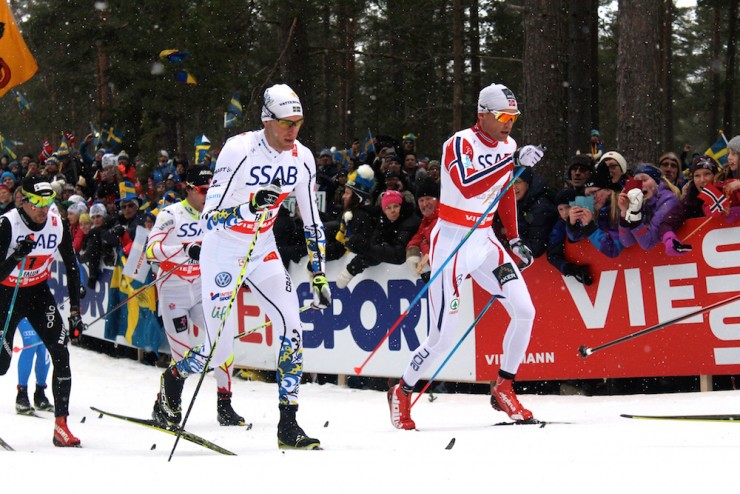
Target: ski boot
[(22, 404), (63, 438), (167, 409), (41, 401), (290, 435), (504, 399), (399, 403), (226, 414)]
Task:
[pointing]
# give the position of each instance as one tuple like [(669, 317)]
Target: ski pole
[(224, 317), (12, 302), (264, 325), (17, 349), (358, 369), (475, 322), (137, 292), (585, 351)]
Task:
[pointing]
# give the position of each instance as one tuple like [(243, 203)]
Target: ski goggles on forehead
[(37, 200)]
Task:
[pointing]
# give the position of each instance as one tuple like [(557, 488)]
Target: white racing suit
[(475, 168), (177, 227), (246, 164)]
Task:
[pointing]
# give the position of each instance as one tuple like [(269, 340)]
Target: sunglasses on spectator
[(37, 200), (669, 163), (128, 205)]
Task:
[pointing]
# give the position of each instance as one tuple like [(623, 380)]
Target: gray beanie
[(734, 144)]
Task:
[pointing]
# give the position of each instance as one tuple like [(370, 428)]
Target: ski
[(172, 430), (690, 418), (5, 446), (541, 423)]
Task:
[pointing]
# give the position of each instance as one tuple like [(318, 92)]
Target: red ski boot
[(400, 406), (504, 399), (63, 438)]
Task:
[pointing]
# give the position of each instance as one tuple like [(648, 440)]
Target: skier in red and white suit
[(477, 163), (174, 243)]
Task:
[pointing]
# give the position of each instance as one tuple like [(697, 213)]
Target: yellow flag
[(17, 65)]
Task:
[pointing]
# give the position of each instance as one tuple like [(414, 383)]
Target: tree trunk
[(639, 100), (474, 41), (666, 76), (458, 62), (715, 79), (544, 100), (580, 69), (727, 121)]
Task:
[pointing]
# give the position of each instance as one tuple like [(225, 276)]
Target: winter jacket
[(661, 213), (600, 232), (424, 232), (536, 215)]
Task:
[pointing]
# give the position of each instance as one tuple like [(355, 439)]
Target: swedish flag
[(718, 150), (7, 148), (112, 138), (182, 76), (202, 145), (233, 114), (23, 103), (175, 56), (369, 144)]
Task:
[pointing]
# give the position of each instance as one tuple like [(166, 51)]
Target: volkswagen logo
[(223, 279)]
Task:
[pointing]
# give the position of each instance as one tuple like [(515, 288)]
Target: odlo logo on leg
[(419, 359)]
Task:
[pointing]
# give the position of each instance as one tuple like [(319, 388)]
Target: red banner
[(636, 290)]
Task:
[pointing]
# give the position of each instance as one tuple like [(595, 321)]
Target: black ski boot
[(41, 401), (226, 414), (290, 435), (168, 405), (22, 404)]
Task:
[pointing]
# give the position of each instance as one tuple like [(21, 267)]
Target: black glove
[(193, 251), (580, 273), (118, 230), (265, 196), (24, 248), (91, 281), (76, 326)]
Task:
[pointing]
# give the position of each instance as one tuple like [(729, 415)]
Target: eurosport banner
[(634, 291)]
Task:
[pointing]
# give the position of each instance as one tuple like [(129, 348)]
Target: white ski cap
[(280, 102), (497, 97)]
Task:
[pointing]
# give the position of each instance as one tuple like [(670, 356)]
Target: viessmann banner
[(634, 291)]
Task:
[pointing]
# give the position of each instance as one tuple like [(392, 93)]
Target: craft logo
[(505, 273), (223, 279), (454, 305)]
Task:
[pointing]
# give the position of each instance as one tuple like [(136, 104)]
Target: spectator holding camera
[(650, 212), (556, 241), (595, 216)]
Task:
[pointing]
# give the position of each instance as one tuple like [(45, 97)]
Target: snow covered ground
[(598, 452)]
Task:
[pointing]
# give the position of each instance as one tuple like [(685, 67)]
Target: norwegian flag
[(46, 150), (70, 138), (714, 199)]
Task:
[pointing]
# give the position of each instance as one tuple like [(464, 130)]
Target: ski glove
[(193, 251), (24, 248), (321, 292), (76, 326), (265, 197), (673, 247), (193, 362), (580, 273), (522, 252), (634, 214), (528, 155)]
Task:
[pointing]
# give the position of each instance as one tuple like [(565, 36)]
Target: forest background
[(651, 75)]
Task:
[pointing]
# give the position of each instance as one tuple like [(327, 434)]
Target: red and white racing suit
[(245, 164), (475, 168), (180, 305)]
